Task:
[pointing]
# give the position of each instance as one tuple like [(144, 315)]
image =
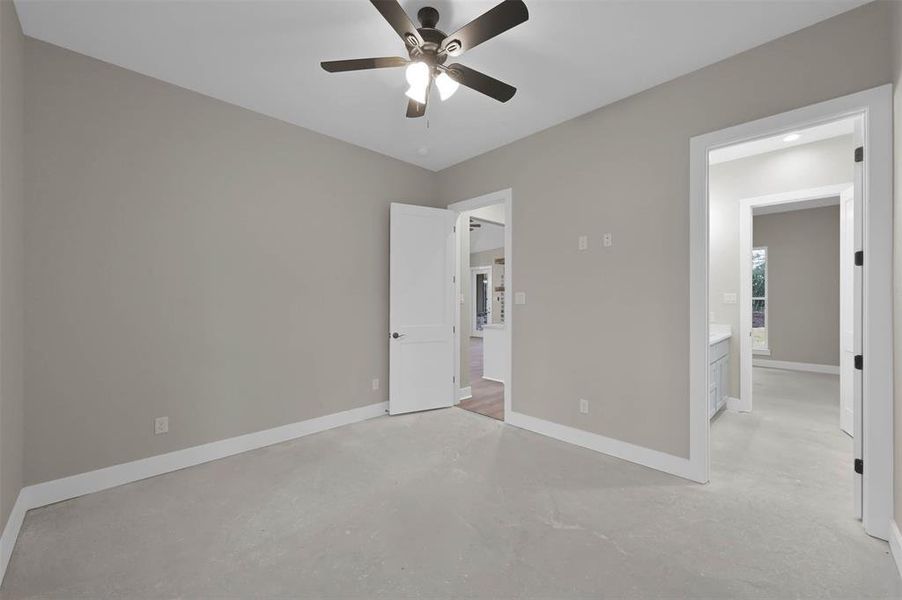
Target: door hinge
[(453, 329), (859, 362), (454, 279), (859, 258), (454, 229), (859, 466), (454, 379), (859, 154)]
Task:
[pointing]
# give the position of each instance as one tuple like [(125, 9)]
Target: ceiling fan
[(429, 49)]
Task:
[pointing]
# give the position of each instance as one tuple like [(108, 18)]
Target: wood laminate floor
[(487, 396)]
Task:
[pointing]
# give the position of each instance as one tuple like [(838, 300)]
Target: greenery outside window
[(759, 299)]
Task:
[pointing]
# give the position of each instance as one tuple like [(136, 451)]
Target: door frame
[(875, 106), (805, 198), (487, 270), (504, 197)]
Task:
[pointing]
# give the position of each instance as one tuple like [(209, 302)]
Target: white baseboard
[(464, 393), (795, 366), (11, 531), (492, 379), (668, 463), (42, 494), (895, 545), (736, 404)]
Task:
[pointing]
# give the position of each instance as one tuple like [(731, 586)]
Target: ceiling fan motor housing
[(432, 39)]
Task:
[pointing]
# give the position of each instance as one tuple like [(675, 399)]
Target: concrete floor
[(451, 504)]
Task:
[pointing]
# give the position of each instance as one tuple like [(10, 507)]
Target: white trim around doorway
[(875, 106)]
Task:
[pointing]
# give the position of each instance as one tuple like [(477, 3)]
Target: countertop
[(718, 333)]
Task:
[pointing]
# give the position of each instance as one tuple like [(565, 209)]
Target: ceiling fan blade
[(481, 82), (506, 15), (400, 22), (415, 109), (359, 64)]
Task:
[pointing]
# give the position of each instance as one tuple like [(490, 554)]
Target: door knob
[(397, 335)]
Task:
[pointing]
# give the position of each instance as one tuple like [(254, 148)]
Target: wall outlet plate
[(375, 384), (729, 298), (583, 242), (584, 406), (161, 425), (520, 298), (607, 240)]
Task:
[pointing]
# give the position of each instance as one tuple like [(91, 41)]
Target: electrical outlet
[(583, 242), (520, 298), (607, 240), (584, 406), (161, 425), (729, 298), (375, 384)]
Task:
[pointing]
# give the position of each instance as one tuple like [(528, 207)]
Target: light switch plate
[(520, 298), (583, 242), (584, 406), (607, 240)]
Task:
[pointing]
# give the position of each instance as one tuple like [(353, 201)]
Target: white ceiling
[(487, 237), (779, 142), (569, 58)]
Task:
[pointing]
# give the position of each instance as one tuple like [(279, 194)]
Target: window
[(759, 298)]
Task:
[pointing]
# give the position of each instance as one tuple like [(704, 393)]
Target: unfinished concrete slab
[(450, 504)]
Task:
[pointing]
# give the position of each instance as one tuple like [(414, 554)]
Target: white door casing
[(421, 308), (858, 322)]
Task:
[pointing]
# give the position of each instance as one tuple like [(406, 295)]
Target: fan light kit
[(429, 48)]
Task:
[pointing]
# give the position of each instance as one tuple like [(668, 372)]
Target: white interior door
[(421, 308), (847, 312)]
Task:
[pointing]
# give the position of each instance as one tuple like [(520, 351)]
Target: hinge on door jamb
[(859, 154), (859, 258), (454, 379), (859, 362), (859, 466)]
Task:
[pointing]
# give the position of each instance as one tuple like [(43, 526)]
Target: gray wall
[(12, 105), (818, 164), (803, 283), (192, 259), (612, 326)]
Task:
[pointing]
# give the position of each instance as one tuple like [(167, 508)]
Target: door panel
[(421, 313), (847, 311)]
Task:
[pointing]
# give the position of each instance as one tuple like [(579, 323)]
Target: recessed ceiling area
[(567, 59)]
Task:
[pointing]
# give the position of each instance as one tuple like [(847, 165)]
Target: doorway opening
[(430, 301), (783, 308), (483, 334)]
